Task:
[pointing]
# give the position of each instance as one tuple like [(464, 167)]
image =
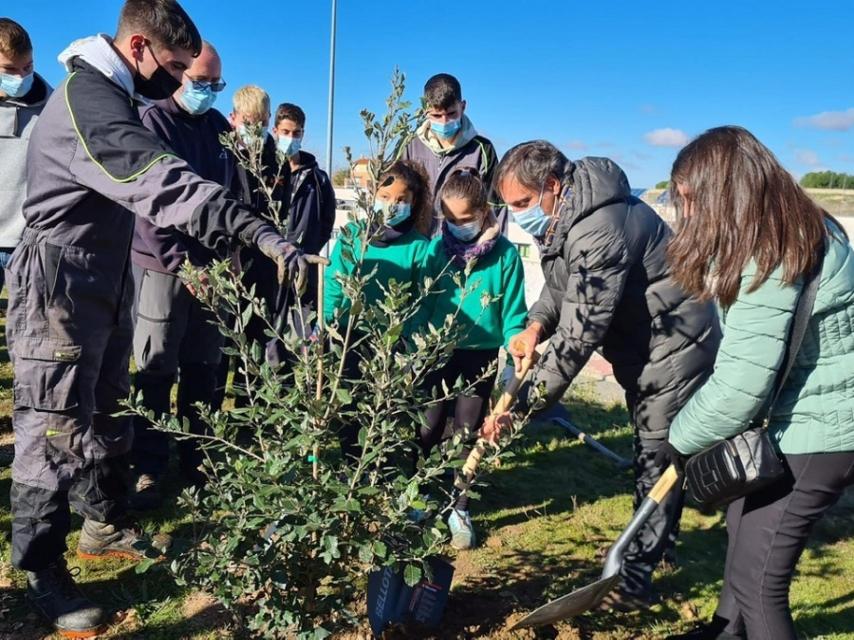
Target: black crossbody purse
[(749, 461)]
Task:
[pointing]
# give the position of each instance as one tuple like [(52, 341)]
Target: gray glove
[(294, 265)]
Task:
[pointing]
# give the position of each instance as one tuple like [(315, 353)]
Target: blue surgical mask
[(446, 130), (533, 219), (197, 101), (288, 146), (248, 135), (465, 232), (393, 214), (16, 86)]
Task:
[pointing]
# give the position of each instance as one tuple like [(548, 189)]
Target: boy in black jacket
[(311, 215)]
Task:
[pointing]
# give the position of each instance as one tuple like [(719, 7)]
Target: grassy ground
[(545, 523)]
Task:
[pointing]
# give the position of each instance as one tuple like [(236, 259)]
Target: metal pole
[(591, 442), (329, 120)]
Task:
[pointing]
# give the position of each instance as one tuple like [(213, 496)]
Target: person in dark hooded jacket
[(608, 288), (311, 215)]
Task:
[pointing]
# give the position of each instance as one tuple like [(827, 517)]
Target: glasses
[(200, 85)]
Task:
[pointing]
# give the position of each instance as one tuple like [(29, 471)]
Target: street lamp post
[(329, 120)]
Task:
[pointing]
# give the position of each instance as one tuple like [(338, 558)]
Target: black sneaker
[(147, 494), (120, 540), (57, 597)]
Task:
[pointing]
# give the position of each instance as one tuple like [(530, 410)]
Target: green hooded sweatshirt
[(499, 273), (401, 259)]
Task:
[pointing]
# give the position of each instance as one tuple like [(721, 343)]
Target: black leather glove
[(667, 455), (294, 265)]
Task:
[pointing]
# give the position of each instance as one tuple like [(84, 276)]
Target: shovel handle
[(504, 404), (665, 483)]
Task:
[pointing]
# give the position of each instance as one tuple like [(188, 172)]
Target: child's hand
[(495, 425), (523, 344)]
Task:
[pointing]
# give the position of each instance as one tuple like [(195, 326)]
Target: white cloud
[(830, 120), (807, 157), (667, 138), (576, 145)]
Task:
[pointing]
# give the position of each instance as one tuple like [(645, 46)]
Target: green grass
[(544, 522)]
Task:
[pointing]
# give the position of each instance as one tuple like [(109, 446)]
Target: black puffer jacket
[(607, 287)]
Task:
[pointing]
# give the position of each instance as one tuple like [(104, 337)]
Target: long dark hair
[(744, 206), (417, 183)]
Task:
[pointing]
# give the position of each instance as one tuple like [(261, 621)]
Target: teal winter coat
[(815, 412)]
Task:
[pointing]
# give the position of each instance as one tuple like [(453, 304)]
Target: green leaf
[(412, 575), (144, 565), (380, 548), (366, 553)]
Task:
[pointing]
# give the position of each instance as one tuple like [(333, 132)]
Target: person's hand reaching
[(294, 265)]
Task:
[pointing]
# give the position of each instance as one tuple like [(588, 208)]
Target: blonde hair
[(252, 101)]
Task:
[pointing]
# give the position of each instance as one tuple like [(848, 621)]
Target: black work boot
[(120, 540), (55, 595), (147, 494)]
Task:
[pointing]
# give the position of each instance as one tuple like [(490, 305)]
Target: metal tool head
[(570, 605)]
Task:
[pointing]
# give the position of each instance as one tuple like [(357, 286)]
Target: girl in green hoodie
[(470, 236), (748, 237), (397, 247)]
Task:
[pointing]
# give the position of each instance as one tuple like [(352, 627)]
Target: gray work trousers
[(69, 331), (174, 337)]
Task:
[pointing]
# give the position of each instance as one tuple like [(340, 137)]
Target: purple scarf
[(461, 252)]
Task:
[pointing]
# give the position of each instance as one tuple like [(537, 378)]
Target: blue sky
[(626, 79)]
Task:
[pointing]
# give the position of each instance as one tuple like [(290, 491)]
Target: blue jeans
[(5, 256)]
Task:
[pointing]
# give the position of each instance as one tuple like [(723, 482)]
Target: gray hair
[(531, 163)]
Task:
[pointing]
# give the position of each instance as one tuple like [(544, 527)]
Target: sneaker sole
[(122, 555), (88, 633)]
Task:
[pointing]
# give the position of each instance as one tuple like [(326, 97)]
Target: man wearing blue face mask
[(447, 140), (173, 331), (23, 94), (608, 288)]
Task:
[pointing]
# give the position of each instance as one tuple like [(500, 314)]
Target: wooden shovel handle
[(504, 404), (665, 483)]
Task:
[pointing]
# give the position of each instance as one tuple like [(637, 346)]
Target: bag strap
[(803, 314)]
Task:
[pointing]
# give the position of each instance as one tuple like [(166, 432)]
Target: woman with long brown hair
[(748, 238)]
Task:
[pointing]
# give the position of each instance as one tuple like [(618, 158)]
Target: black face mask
[(159, 86)]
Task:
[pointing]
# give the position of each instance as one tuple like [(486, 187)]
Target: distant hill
[(837, 202)]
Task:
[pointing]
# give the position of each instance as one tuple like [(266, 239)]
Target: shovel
[(588, 597), (504, 404)]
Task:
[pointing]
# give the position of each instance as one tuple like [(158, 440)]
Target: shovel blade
[(570, 605)]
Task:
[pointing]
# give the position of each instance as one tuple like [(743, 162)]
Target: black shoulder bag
[(749, 461)]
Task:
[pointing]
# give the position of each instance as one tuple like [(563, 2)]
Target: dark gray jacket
[(96, 165), (608, 286), (195, 139)]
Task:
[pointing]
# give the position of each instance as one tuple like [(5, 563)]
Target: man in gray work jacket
[(93, 167)]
